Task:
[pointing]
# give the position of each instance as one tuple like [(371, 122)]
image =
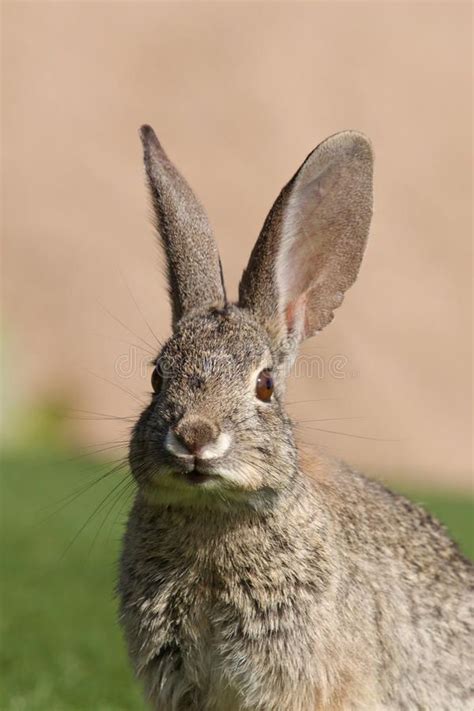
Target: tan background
[(239, 93)]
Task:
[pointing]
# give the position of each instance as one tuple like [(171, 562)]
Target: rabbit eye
[(156, 379), (264, 387)]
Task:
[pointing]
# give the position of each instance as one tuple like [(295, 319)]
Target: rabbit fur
[(256, 576)]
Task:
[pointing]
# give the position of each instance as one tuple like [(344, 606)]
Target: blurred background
[(238, 93)]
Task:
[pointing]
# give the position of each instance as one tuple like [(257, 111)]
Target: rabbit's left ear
[(311, 245)]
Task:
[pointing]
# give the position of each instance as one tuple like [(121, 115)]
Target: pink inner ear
[(306, 245), (306, 249), (295, 314), (303, 265)]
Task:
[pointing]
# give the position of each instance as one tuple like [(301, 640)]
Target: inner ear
[(304, 251), (295, 316)]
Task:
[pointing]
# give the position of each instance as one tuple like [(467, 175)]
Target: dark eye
[(264, 387), (156, 379)]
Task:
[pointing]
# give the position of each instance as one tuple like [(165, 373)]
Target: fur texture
[(256, 577)]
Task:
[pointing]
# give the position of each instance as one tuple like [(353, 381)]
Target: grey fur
[(285, 582), (193, 265)]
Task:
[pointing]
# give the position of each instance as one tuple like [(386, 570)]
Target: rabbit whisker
[(122, 341), (330, 419), (97, 509), (124, 486), (152, 350), (101, 415), (347, 434), (61, 504), (302, 402), (116, 385), (160, 344)]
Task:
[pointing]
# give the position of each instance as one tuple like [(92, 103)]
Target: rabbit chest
[(221, 621)]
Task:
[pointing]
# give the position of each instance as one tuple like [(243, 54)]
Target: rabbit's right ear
[(193, 264), (311, 245)]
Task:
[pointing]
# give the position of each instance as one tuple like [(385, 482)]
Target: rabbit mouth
[(195, 476)]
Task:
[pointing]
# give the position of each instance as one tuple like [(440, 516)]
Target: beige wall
[(239, 93)]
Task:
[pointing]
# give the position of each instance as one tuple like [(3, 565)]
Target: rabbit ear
[(311, 245), (193, 264)]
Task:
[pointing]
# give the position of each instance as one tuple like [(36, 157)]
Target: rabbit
[(254, 575)]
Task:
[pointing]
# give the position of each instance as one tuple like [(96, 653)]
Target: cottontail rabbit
[(252, 578)]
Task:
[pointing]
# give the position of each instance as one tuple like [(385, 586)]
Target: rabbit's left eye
[(264, 386)]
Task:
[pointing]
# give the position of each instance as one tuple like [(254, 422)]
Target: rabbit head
[(215, 431)]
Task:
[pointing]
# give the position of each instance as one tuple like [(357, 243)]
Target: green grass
[(61, 647)]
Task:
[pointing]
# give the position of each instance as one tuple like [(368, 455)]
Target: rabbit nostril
[(191, 443), (193, 435)]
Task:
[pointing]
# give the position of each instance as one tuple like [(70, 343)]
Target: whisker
[(94, 452), (132, 486), (139, 310), (331, 419), (99, 506), (123, 342), (121, 489), (60, 504), (99, 418), (302, 402), (89, 447), (347, 434), (124, 325), (104, 415), (116, 385)]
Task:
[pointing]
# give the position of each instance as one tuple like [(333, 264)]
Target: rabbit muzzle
[(196, 444)]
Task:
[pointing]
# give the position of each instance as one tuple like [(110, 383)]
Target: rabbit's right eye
[(156, 379)]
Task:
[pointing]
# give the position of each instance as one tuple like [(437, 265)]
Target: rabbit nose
[(197, 437), (195, 433)]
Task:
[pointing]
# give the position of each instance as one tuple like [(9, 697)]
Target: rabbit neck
[(223, 527), (191, 579)]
